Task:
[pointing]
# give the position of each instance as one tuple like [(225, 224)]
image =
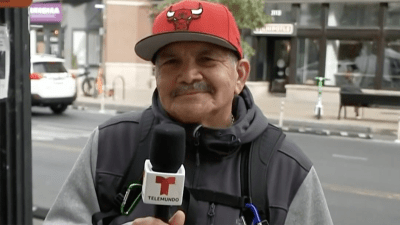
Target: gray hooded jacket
[(294, 191)]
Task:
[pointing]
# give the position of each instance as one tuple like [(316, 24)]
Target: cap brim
[(147, 47)]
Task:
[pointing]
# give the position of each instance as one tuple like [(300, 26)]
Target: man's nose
[(190, 72)]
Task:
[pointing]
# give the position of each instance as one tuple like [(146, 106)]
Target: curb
[(325, 129), (325, 132), (117, 107)]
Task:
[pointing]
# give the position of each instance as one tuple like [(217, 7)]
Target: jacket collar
[(249, 124)]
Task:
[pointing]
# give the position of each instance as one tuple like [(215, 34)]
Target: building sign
[(276, 12), (46, 13), (286, 29), (4, 61)]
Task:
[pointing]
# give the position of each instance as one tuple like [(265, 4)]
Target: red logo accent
[(165, 182), (183, 17)]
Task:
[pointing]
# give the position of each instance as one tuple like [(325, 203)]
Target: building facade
[(348, 42), (68, 29), (45, 27), (126, 22), (353, 42)]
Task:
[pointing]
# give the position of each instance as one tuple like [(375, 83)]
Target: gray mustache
[(198, 86)]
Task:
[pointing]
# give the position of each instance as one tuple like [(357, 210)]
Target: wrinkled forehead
[(191, 48)]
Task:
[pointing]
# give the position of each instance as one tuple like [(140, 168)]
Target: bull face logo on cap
[(183, 17)]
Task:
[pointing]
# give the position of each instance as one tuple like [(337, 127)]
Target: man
[(201, 75)]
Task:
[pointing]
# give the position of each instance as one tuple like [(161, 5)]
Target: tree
[(249, 14)]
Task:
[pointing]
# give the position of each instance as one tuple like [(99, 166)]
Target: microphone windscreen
[(167, 151)]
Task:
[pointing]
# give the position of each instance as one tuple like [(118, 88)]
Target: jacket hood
[(249, 123)]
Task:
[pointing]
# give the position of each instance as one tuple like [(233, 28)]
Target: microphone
[(164, 174)]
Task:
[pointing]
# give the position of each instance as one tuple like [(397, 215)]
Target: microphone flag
[(162, 188)]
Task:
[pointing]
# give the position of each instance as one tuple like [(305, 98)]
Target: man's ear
[(243, 71)]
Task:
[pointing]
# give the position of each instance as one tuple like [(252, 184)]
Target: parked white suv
[(51, 85)]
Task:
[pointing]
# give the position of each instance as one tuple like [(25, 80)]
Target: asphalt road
[(361, 178)]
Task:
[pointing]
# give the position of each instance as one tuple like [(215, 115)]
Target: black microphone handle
[(167, 154), (162, 212)]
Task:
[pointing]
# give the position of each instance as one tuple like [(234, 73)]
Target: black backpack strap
[(259, 156), (134, 172), (218, 198)]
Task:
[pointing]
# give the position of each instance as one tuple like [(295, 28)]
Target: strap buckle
[(134, 203)]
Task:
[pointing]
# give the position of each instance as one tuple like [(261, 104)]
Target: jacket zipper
[(211, 214), (196, 135)]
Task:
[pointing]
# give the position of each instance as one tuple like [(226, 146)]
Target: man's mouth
[(192, 89), (191, 93)]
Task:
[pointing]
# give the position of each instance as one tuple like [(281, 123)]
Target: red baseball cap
[(192, 20)]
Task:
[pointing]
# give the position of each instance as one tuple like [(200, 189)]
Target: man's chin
[(189, 115)]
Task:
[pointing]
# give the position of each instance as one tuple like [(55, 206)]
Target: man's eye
[(206, 59), (171, 61)]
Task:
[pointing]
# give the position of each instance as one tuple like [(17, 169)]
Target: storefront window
[(40, 45), (307, 60), (393, 15), (353, 14), (54, 47), (87, 48), (310, 15), (94, 48), (279, 12), (391, 68), (351, 62), (79, 48)]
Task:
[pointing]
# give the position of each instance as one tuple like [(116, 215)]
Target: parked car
[(51, 85)]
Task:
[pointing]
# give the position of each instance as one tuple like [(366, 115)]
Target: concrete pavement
[(298, 116)]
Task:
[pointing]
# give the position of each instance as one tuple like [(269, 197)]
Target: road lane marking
[(360, 191), (361, 135), (42, 132), (349, 157), (56, 147)]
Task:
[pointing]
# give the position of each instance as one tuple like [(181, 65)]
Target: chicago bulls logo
[(183, 17), (165, 182)]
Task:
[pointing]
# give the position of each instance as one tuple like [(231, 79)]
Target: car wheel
[(58, 108)]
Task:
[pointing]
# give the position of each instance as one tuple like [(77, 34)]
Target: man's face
[(197, 81)]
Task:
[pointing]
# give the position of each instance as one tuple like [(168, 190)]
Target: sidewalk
[(297, 116)]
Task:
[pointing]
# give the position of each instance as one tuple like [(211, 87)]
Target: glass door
[(279, 64)]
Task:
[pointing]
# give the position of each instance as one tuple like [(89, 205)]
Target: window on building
[(86, 48), (54, 39), (351, 62), (94, 48), (391, 68), (79, 49), (279, 12), (393, 15), (310, 14), (40, 46), (353, 14), (307, 60)]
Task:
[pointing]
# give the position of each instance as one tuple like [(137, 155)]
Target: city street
[(360, 177)]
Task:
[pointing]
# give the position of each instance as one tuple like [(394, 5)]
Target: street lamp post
[(15, 124), (102, 70)]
